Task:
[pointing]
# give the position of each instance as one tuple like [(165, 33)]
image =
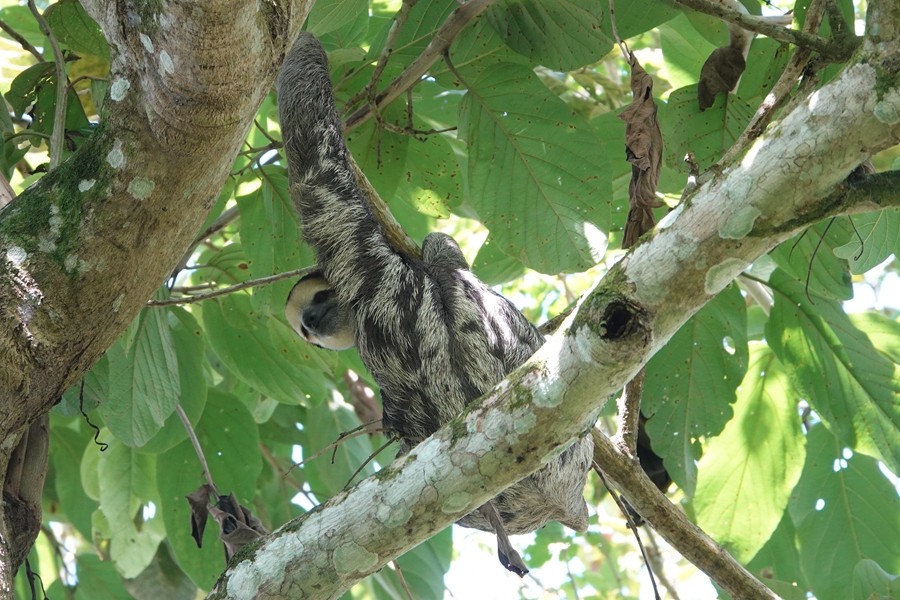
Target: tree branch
[(729, 222), (410, 76), (831, 50)]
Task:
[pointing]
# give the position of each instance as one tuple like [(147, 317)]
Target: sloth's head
[(313, 311)]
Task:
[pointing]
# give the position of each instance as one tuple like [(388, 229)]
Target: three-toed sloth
[(432, 334)]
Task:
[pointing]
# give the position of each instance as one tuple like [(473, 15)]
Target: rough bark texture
[(790, 178), (83, 250)]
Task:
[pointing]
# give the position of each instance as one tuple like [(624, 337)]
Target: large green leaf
[(811, 258), (431, 183), (230, 440), (241, 340), (691, 382), (163, 579), (780, 557), (853, 388), (845, 510), (537, 176), (879, 232), (881, 330), (126, 482), (765, 63), (270, 237), (707, 134), (143, 379), (188, 339), (870, 580), (96, 391), (98, 580), (321, 426), (74, 28), (684, 52), (381, 153), (178, 474), (328, 15), (748, 471), (66, 450), (559, 34)]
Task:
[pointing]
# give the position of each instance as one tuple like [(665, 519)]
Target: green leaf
[(328, 15), (321, 426), (884, 333), (22, 90), (230, 440), (432, 181), (241, 340), (691, 382), (96, 391), (811, 258), (684, 53), (98, 580), (871, 580), (537, 176), (189, 348), (66, 450), (638, 16), (845, 510), (381, 154), (852, 387), (559, 34), (143, 380), (493, 267), (163, 579), (270, 237), (780, 557), (74, 28), (707, 134), (765, 63), (423, 569), (748, 471), (878, 234), (179, 474)]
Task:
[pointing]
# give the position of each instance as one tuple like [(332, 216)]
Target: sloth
[(433, 335)]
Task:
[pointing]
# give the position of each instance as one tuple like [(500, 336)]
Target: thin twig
[(342, 437), (26, 45), (412, 75), (673, 525), (197, 449), (402, 581), (656, 560), (780, 91), (400, 18), (631, 525), (391, 440), (568, 569), (829, 49), (626, 54), (62, 90), (83, 78), (234, 288)]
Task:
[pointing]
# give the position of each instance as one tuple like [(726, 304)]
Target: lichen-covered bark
[(83, 249), (790, 178)]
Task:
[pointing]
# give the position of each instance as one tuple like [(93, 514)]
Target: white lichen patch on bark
[(116, 158), (392, 516), (243, 581), (147, 42), (141, 188), (118, 89), (721, 274), (16, 255), (740, 223), (70, 263), (86, 184), (351, 557), (165, 61), (118, 302), (888, 110)]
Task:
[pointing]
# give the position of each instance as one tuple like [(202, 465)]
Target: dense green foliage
[(780, 427)]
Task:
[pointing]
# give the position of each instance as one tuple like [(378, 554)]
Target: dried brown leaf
[(719, 75), (644, 150), (237, 525), (199, 501)]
